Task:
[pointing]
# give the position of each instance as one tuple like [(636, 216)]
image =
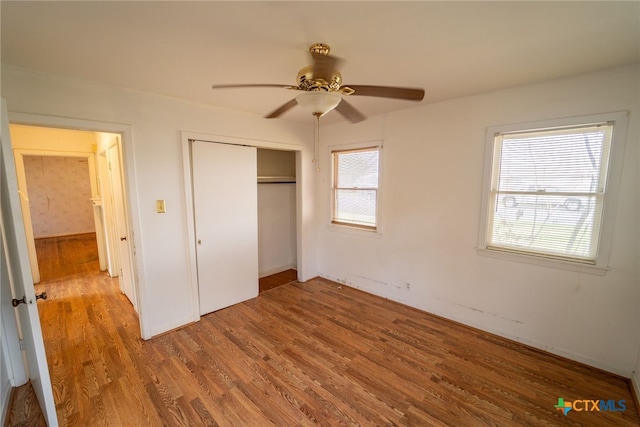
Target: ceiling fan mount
[(320, 49), (307, 80), (323, 77)]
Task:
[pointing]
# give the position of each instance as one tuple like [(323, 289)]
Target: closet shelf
[(276, 179)]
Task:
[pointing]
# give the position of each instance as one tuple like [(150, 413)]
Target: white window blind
[(547, 191), (355, 187)]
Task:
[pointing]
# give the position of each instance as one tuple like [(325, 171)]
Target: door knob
[(17, 302), (41, 296), (123, 238)]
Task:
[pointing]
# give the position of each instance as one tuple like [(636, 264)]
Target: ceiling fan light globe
[(319, 103)]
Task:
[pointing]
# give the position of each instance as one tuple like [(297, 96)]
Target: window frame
[(336, 150), (612, 183)]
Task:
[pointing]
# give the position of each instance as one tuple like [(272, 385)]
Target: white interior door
[(19, 272), (226, 218), (124, 249)]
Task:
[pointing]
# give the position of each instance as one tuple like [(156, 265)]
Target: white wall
[(153, 163), (276, 228), (431, 194)]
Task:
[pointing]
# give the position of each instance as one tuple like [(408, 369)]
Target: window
[(355, 187), (547, 190)]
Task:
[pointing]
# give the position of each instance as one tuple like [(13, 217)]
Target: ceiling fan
[(322, 89)]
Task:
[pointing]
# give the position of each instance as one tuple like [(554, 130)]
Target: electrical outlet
[(160, 206)]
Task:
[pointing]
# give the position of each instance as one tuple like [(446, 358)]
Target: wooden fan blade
[(282, 109), (324, 66), (252, 85), (349, 112), (388, 92)]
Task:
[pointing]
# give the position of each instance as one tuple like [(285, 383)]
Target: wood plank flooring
[(273, 281), (24, 409), (67, 255), (303, 354)]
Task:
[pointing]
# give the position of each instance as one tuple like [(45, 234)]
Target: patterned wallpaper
[(59, 195)]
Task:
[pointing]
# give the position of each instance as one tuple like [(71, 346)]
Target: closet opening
[(277, 251)]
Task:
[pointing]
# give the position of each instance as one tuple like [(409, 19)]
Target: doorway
[(30, 359), (62, 219), (277, 225)]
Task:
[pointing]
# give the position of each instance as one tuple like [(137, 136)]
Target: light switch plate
[(160, 206)]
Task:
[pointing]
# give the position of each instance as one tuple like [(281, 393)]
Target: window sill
[(598, 270), (354, 230)]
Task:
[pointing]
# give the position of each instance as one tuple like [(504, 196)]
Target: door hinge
[(21, 341)]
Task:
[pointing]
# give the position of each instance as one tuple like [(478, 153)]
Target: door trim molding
[(126, 132), (186, 140)]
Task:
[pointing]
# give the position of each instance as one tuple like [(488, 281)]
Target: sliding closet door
[(226, 216)]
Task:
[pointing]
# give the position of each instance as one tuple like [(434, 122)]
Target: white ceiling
[(451, 49)]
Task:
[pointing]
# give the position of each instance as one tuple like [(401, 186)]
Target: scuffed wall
[(425, 255), (59, 195)]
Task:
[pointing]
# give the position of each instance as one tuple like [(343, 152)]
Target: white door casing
[(125, 273), (125, 134), (226, 223)]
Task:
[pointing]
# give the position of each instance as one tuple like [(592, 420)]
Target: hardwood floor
[(67, 255), (303, 354), (273, 281), (24, 409)]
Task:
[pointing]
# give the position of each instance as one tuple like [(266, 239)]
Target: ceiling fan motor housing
[(307, 83)]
